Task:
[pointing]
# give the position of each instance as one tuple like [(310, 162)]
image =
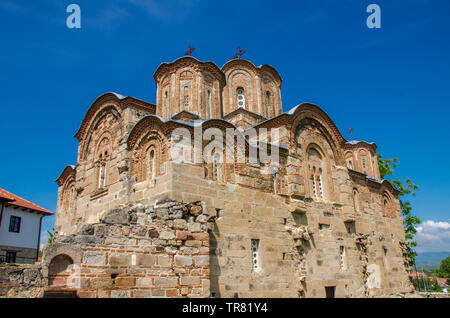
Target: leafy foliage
[(444, 269), (426, 284), (405, 187), (50, 237)]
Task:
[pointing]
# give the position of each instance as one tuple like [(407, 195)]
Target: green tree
[(406, 188), (444, 269), (427, 284), (50, 236)]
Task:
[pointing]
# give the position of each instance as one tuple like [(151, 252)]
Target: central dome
[(188, 84)]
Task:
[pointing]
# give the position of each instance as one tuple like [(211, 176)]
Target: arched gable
[(69, 171), (108, 100), (110, 116), (309, 114)]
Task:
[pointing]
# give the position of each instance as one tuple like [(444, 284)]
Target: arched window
[(269, 103), (152, 164), (320, 183), (317, 174), (240, 95), (102, 171), (102, 175), (276, 181), (208, 104), (355, 198), (103, 155), (166, 103), (314, 186), (186, 97), (216, 166), (350, 164)]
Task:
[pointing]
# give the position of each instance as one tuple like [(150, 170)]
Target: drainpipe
[(39, 238), (1, 213)]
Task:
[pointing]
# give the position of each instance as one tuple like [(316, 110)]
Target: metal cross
[(239, 53), (350, 131), (189, 51)]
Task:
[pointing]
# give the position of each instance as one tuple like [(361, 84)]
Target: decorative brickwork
[(320, 215)]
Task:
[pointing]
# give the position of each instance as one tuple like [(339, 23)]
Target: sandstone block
[(115, 216), (166, 281), (183, 260), (120, 260), (145, 260), (191, 281)]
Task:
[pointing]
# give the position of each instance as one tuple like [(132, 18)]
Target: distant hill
[(430, 260)]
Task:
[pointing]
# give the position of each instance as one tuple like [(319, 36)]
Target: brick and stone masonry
[(145, 251), (133, 222)]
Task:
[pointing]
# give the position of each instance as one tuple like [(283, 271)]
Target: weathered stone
[(194, 227), (94, 258), (115, 216), (88, 239), (138, 230), (180, 224), (87, 229), (162, 213), (183, 260), (166, 235), (195, 210), (119, 259), (145, 260), (202, 218)]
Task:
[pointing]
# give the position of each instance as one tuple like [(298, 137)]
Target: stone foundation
[(24, 255), (144, 251)]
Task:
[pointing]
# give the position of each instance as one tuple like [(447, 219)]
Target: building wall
[(318, 223), (25, 242), (29, 228)]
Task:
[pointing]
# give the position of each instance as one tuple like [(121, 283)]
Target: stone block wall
[(142, 251), (21, 281)]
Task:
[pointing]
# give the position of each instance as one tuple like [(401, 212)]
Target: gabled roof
[(184, 114), (15, 200), (246, 111), (68, 170), (4, 196)]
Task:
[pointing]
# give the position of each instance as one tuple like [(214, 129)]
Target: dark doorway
[(329, 291)]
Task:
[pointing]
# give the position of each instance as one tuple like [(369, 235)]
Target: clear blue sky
[(391, 84)]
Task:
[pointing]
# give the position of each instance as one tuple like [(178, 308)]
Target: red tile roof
[(4, 196), (15, 200)]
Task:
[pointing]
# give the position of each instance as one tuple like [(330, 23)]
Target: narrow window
[(216, 166), (210, 104), (255, 255), (275, 181), (151, 165), (186, 97), (329, 291), (314, 182), (350, 164), (385, 258), (14, 224), (10, 257), (240, 97), (351, 227), (102, 175), (320, 184), (268, 103), (355, 200), (342, 257), (166, 103)]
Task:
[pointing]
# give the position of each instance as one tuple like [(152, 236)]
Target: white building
[(20, 228)]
